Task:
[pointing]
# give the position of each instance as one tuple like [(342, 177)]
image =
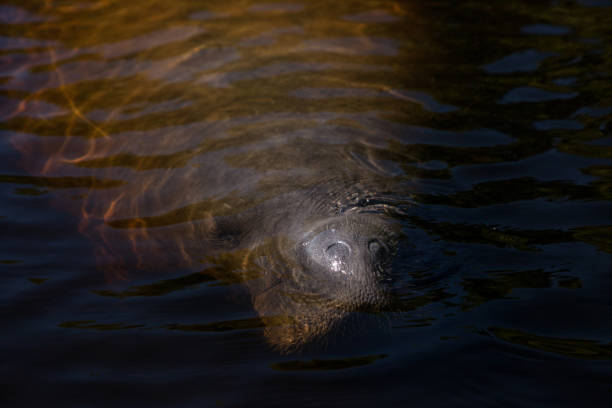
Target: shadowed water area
[(352, 203)]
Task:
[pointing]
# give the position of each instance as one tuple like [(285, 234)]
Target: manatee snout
[(346, 259), (331, 268)]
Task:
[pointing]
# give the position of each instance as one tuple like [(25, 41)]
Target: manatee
[(298, 216)]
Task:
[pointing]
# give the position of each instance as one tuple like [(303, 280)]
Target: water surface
[(156, 157)]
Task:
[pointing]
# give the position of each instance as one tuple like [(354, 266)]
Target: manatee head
[(332, 268), (346, 259)]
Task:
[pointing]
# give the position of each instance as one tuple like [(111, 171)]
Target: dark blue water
[(160, 160)]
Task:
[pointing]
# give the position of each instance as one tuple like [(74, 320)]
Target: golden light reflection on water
[(203, 118)]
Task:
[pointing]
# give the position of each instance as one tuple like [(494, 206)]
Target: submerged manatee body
[(287, 216)]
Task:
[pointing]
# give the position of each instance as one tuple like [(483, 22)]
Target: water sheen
[(177, 178)]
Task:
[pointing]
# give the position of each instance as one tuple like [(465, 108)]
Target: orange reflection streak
[(76, 115), (111, 208)]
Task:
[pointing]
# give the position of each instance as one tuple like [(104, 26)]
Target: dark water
[(159, 158)]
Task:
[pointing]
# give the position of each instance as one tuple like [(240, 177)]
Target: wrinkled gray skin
[(319, 270)]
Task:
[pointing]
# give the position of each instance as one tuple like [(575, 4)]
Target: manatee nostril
[(374, 246), (339, 251)]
